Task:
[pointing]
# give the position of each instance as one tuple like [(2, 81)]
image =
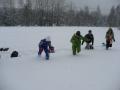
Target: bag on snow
[(14, 54), (4, 49)]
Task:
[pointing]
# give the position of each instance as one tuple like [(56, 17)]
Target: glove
[(82, 43)]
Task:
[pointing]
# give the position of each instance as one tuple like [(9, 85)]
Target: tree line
[(55, 13)]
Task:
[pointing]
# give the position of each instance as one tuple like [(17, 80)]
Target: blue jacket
[(44, 44)]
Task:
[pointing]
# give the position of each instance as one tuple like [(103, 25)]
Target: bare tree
[(70, 14), (20, 3), (112, 17), (118, 15)]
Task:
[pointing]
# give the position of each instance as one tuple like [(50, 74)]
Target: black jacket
[(89, 38)]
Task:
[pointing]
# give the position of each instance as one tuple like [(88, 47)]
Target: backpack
[(14, 54)]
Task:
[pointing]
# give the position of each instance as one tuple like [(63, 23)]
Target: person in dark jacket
[(109, 38), (89, 40), (45, 44), (76, 42)]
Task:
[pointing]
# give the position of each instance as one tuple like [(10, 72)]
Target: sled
[(51, 49)]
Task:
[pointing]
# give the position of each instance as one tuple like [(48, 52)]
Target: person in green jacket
[(76, 41)]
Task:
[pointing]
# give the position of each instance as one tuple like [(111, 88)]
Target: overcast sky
[(105, 5)]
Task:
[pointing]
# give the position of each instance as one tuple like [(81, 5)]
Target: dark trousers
[(89, 46), (45, 50), (108, 44)]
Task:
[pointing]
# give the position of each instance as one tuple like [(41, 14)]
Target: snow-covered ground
[(97, 69)]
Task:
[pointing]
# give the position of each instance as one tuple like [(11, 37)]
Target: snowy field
[(97, 69)]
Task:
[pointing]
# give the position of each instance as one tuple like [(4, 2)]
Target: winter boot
[(87, 47), (91, 47), (47, 58)]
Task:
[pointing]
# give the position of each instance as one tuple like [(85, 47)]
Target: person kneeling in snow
[(109, 38), (89, 40), (76, 42), (45, 44)]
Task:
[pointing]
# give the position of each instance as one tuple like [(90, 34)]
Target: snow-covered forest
[(54, 12)]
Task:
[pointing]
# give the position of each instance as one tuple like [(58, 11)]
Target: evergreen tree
[(118, 15), (111, 20)]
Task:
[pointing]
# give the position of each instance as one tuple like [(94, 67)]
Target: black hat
[(110, 28), (78, 33), (90, 31)]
